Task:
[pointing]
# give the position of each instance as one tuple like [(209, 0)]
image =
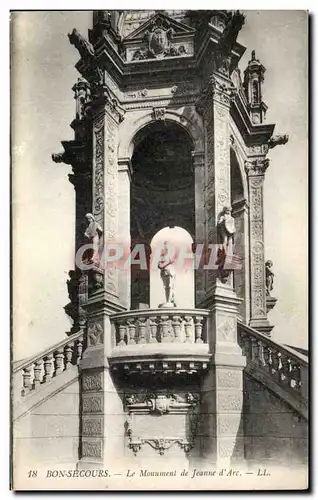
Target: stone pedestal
[(222, 388)]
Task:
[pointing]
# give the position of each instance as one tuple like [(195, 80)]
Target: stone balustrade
[(152, 326), (286, 367), (40, 369)]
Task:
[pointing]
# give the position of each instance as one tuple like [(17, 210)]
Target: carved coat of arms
[(159, 38)]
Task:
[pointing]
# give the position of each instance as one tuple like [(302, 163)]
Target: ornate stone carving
[(159, 114), (138, 94), (92, 448), (84, 47), (160, 444), (160, 403), (92, 404), (92, 382), (82, 94), (229, 401), (72, 287), (95, 333), (218, 91), (82, 299), (278, 140), (159, 38), (227, 330), (98, 181), (257, 166), (229, 379), (92, 426)]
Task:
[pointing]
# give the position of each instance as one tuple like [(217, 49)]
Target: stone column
[(124, 178), (102, 434), (241, 241), (255, 170), (199, 179), (221, 390)]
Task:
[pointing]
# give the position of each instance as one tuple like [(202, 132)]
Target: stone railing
[(41, 368), (288, 368), (151, 326)]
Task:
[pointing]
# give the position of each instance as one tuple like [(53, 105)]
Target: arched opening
[(162, 193), (180, 243), (239, 212)]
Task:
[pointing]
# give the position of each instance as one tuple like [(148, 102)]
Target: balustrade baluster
[(37, 373), (131, 331), (276, 364), (295, 376), (254, 349), (198, 329), (122, 333), (164, 328), (59, 361), (286, 368), (153, 330), (267, 361), (188, 329), (260, 354), (248, 347), (69, 349), (48, 367), (176, 327), (142, 323), (27, 376)]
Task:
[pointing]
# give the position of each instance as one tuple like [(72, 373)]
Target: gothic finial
[(253, 55)]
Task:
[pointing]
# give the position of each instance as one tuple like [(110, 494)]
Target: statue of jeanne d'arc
[(167, 274)]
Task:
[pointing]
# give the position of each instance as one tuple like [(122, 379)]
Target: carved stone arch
[(129, 131)]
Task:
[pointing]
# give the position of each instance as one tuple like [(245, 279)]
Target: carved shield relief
[(158, 42)]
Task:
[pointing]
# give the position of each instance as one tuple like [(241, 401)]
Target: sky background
[(43, 74)]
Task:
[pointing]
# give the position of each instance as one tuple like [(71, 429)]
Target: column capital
[(218, 90), (256, 167), (197, 158), (124, 165)]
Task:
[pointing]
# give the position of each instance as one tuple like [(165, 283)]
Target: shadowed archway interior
[(162, 192)]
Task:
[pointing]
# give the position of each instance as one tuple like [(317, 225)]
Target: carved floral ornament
[(215, 91), (162, 404), (257, 166)]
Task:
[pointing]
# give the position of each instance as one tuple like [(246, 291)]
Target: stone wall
[(49, 432), (274, 432)]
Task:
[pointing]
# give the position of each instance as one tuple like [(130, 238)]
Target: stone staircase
[(46, 391)]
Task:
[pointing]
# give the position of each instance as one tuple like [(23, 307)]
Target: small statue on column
[(93, 232), (226, 227), (168, 275), (226, 231), (269, 276)]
